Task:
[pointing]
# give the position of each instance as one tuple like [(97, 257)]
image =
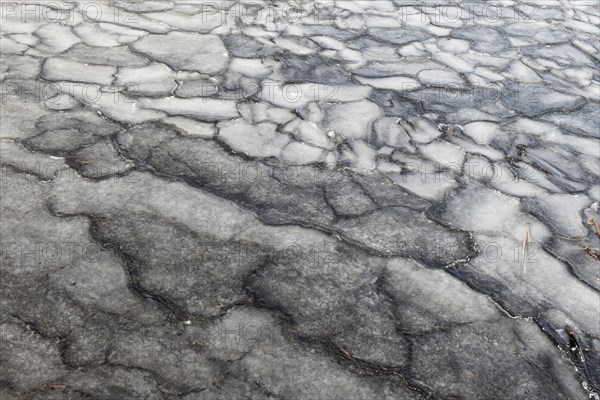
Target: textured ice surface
[(353, 200)]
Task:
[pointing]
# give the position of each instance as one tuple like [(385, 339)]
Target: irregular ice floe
[(20, 67), (490, 211), (481, 132), (445, 154), (55, 38), (91, 35), (260, 112), (249, 67), (100, 160), (488, 74), (389, 231), (152, 80), (357, 156), (430, 186), (284, 96), (506, 181), (454, 62), (110, 102), (389, 132), (397, 36), (118, 56), (205, 21), (299, 153), (56, 69), (484, 39), (486, 151), (562, 213), (521, 72), (410, 283), (260, 140), (310, 133), (438, 77), (190, 88), (352, 120), (185, 51), (454, 45)]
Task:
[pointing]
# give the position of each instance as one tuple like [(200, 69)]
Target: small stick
[(592, 253), (593, 222), (526, 242), (345, 352)]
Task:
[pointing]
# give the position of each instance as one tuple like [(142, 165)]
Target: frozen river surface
[(300, 200)]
